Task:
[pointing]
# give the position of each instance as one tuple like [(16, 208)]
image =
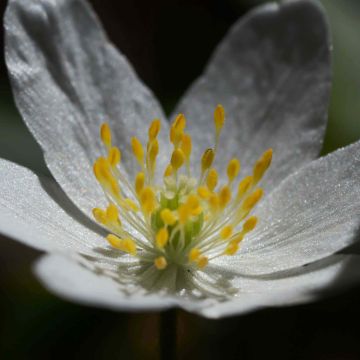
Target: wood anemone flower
[(169, 216)]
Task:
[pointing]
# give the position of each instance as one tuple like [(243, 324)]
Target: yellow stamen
[(185, 218), (224, 196), (162, 238), (244, 185), (186, 146), (214, 202), (233, 169), (226, 232), (168, 217), (219, 118), (252, 199), (148, 200), (207, 159), (177, 159), (194, 254), (177, 129), (99, 215), (160, 263), (202, 262), (212, 179), (238, 238), (114, 156), (139, 182), (154, 129), (129, 204), (183, 213), (168, 171), (204, 192), (112, 214), (126, 245), (232, 248), (138, 150), (262, 165), (105, 134), (193, 204), (153, 151), (250, 224)]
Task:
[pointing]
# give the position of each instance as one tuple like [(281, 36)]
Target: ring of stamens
[(185, 221)]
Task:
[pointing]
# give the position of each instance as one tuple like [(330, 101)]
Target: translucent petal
[(272, 74), (73, 281), (312, 214), (297, 286), (30, 212), (68, 279), (67, 79)]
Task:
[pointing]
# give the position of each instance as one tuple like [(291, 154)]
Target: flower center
[(186, 221)]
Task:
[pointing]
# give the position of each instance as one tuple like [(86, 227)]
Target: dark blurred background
[(168, 42)]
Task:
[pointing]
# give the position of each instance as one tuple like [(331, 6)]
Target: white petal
[(68, 79), (68, 279), (77, 282), (289, 288), (272, 74), (312, 214), (29, 213)]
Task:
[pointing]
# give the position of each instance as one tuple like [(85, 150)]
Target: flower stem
[(167, 327)]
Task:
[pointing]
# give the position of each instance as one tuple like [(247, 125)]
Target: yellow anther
[(237, 238), (204, 192), (139, 182), (105, 134), (252, 199), (232, 248), (249, 224), (244, 185), (126, 245), (177, 129), (99, 215), (194, 254), (226, 232), (219, 118), (262, 165), (183, 213), (224, 196), (148, 200), (154, 129), (162, 238), (168, 171), (207, 159), (168, 217), (212, 179), (180, 123), (202, 262), (177, 159), (153, 151), (97, 172), (214, 202), (233, 169), (138, 150), (102, 170), (193, 201), (193, 205), (160, 263), (129, 204), (112, 214), (186, 146), (114, 188), (114, 156)]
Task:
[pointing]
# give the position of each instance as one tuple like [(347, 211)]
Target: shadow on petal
[(59, 196)]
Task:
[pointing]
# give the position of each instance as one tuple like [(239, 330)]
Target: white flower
[(181, 240)]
